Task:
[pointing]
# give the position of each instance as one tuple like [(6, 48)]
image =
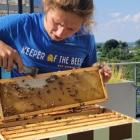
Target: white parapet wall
[(122, 98)]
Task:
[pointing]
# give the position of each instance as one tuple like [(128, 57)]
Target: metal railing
[(19, 6), (132, 69)]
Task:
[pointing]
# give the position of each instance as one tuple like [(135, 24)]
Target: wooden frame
[(34, 81)]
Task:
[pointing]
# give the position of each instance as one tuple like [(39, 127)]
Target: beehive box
[(93, 124), (60, 106)]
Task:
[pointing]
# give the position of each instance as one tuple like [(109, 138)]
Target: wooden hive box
[(59, 106), (106, 125)]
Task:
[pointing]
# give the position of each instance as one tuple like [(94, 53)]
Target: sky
[(117, 19)]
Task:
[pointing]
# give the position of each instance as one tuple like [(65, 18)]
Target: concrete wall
[(122, 98)]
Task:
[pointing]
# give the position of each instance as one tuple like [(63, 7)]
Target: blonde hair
[(82, 8)]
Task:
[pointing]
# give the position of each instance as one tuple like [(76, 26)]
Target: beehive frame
[(73, 126), (87, 74)]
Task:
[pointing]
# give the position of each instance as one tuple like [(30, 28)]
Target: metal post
[(8, 7), (0, 73), (135, 79), (135, 74), (20, 6), (31, 6)]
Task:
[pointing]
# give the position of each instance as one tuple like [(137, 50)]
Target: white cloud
[(121, 27), (126, 18), (136, 17), (116, 14), (117, 17)]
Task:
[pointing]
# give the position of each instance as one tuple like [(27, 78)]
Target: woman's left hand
[(105, 72)]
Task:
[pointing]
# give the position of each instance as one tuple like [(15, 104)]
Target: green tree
[(123, 46), (109, 45), (137, 43), (99, 46), (115, 51), (136, 55)]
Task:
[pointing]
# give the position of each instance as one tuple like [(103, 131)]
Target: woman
[(56, 40)]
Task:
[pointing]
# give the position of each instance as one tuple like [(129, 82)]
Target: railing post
[(135, 74), (31, 6), (20, 10), (7, 7)]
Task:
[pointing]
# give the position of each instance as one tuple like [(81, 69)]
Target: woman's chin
[(55, 38)]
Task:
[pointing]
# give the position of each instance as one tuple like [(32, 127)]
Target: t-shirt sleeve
[(9, 28), (92, 56)]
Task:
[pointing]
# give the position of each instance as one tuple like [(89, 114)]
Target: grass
[(117, 74)]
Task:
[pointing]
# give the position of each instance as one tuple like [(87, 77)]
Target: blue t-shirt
[(26, 34)]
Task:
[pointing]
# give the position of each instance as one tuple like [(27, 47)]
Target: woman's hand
[(105, 72), (9, 57)]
